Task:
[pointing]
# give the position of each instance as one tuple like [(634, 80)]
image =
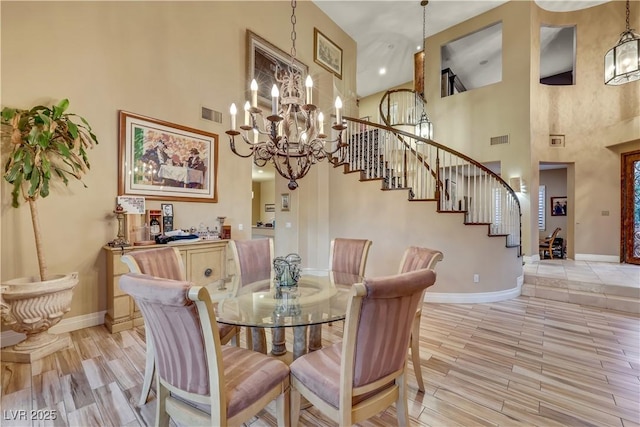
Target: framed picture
[(269, 207), (284, 202), (327, 53), (167, 209), (559, 206), (166, 161), (265, 62)]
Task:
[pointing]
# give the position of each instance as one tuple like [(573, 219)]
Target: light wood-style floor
[(523, 362)]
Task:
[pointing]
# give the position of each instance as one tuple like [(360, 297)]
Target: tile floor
[(597, 284), (605, 273)]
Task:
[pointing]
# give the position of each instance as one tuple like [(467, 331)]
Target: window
[(542, 224), (472, 61), (557, 55)]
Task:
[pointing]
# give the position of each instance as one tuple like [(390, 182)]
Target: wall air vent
[(212, 115), (502, 139)]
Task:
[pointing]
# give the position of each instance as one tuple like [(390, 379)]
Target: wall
[(267, 197), (161, 59), (598, 121), (255, 202)]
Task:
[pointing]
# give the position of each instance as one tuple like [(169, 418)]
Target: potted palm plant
[(45, 143)]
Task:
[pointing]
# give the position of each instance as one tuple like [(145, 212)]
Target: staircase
[(428, 171)]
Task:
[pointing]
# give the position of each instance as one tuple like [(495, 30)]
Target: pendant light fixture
[(622, 62)]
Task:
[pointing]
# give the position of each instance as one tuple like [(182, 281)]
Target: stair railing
[(431, 171)]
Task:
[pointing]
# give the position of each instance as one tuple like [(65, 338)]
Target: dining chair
[(349, 255), (165, 263), (200, 381), (364, 374), (347, 258), (253, 260), (546, 244), (416, 258)]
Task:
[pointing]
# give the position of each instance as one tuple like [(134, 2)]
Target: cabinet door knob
[(208, 272)]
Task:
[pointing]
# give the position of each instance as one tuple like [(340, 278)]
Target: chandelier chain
[(293, 31), (424, 26)]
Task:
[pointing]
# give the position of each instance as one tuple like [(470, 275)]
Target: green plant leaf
[(73, 129), (14, 174), (44, 189), (35, 183), (64, 150), (15, 193), (8, 114)]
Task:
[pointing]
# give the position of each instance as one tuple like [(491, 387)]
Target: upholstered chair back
[(162, 262), (253, 259), (349, 255), (383, 329), (172, 320), (416, 258)]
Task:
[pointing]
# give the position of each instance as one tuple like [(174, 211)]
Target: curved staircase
[(392, 153)]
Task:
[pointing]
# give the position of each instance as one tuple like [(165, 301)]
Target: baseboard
[(599, 258), (531, 259), (66, 325), (476, 297)]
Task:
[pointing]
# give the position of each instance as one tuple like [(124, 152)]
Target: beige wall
[(161, 59)]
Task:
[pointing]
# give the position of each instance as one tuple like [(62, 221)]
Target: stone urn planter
[(31, 306)]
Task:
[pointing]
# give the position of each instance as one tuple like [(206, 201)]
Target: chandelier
[(424, 127), (622, 62), (292, 135)]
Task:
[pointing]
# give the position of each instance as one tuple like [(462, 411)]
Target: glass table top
[(315, 300)]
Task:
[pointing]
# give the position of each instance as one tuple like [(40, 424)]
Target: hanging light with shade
[(622, 62), (293, 132), (424, 127)]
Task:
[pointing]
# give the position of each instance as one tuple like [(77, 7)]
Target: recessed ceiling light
[(418, 48), (382, 71), (260, 171)]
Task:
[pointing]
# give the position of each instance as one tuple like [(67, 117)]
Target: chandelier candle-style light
[(293, 133), (622, 62)]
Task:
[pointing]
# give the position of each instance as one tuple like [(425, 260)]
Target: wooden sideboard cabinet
[(205, 262)]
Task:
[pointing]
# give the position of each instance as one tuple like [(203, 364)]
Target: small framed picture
[(167, 209), (327, 54), (559, 206), (284, 201), (270, 207)]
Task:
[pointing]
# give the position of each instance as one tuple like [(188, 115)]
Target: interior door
[(630, 244)]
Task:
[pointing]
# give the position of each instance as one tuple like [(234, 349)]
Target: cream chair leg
[(415, 351), (149, 369), (162, 417), (402, 406), (283, 409), (294, 406)]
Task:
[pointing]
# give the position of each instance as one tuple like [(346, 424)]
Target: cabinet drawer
[(206, 266)]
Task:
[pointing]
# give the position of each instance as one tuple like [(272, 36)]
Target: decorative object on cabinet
[(284, 202), (44, 142), (166, 161), (205, 263), (327, 54), (293, 130)]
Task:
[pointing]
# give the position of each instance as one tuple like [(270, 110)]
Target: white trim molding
[(9, 338), (476, 297)]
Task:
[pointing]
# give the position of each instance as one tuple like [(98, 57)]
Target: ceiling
[(388, 33)]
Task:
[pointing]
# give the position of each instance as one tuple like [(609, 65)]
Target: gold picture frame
[(264, 60), (166, 161), (327, 54)]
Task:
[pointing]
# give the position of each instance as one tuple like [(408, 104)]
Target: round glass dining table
[(314, 301)]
